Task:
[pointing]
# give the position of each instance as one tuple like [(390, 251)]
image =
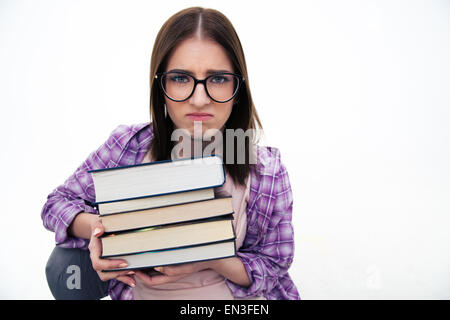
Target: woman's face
[(199, 57)]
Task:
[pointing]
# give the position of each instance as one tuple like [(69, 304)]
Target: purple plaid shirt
[(268, 248)]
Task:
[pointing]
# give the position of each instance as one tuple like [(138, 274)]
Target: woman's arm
[(232, 269), (63, 206), (68, 213), (262, 262), (268, 250), (82, 226), (68, 201)]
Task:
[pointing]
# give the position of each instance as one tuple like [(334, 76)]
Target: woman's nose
[(200, 97)]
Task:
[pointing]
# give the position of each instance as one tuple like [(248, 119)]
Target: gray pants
[(70, 276)]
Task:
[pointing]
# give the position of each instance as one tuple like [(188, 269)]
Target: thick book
[(157, 178), (168, 237), (167, 215), (151, 259), (121, 206)]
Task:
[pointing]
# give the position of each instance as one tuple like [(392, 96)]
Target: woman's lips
[(198, 116)]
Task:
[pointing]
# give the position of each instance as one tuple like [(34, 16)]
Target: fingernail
[(133, 285), (97, 231), (131, 272), (123, 265)]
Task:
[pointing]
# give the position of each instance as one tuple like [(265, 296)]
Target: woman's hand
[(171, 273), (95, 248), (231, 268)]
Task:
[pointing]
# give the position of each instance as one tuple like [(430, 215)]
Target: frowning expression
[(200, 58)]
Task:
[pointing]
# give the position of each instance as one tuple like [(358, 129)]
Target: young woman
[(198, 76)]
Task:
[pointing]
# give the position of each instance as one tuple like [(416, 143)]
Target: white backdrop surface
[(355, 94)]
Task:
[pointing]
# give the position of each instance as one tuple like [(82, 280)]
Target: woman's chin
[(198, 131)]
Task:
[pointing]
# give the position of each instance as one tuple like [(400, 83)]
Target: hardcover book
[(120, 206), (151, 259), (157, 178), (168, 237), (191, 211)]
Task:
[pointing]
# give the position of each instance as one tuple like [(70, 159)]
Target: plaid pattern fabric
[(268, 248)]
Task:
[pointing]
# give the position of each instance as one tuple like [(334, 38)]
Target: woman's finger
[(182, 269), (104, 276), (174, 270), (153, 280), (95, 244), (100, 264), (128, 280), (107, 264), (95, 248)]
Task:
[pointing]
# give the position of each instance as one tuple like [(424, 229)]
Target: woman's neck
[(199, 145)]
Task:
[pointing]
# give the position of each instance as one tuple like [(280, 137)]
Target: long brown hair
[(215, 26)]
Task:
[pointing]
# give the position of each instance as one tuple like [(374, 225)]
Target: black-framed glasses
[(179, 86)]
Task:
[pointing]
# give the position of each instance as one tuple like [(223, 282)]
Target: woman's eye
[(179, 78), (219, 79)]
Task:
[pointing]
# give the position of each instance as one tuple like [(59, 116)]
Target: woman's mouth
[(199, 116)]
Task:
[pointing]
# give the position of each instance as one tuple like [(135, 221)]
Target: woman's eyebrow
[(208, 72)]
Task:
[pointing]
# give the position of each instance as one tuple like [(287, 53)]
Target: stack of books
[(164, 212)]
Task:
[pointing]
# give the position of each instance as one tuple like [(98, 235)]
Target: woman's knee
[(70, 275)]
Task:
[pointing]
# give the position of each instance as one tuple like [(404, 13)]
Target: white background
[(355, 94)]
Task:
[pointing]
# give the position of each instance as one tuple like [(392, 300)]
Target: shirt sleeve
[(268, 259), (77, 193)]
